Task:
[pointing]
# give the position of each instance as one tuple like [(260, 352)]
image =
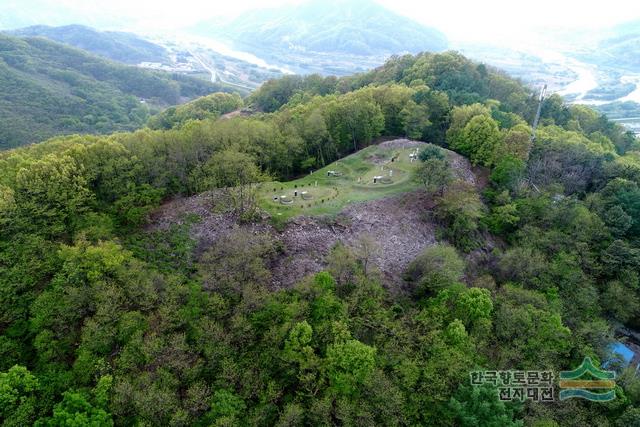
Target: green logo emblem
[(588, 382)]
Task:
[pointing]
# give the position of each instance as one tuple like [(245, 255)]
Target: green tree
[(75, 410), (460, 209), (481, 140), (460, 117), (473, 305), (235, 174), (529, 330), (206, 107), (621, 301), (434, 171), (316, 133), (17, 396), (415, 120), (7, 205), (509, 173), (349, 364), (436, 268), (51, 194), (480, 406), (133, 208), (226, 407), (517, 142), (362, 119), (630, 418), (82, 306), (237, 262), (618, 221), (432, 152), (296, 347)]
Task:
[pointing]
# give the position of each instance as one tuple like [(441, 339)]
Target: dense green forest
[(115, 45), (105, 321), (207, 107), (48, 89)]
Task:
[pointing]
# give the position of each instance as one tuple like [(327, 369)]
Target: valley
[(214, 61), (177, 53), (572, 76), (256, 47)]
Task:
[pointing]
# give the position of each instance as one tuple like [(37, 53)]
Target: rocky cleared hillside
[(400, 224)]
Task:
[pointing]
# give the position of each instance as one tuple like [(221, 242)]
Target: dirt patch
[(399, 224), (377, 160), (210, 224), (236, 113), (402, 143)]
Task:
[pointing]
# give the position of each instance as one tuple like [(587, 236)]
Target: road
[(215, 77)]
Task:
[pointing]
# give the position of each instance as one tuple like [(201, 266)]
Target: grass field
[(353, 181)]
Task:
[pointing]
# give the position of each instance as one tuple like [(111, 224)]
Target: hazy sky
[(461, 20)]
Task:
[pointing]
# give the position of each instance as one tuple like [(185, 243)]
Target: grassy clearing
[(328, 194)]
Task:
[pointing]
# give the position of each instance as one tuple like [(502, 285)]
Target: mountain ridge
[(49, 89), (352, 29), (119, 46)]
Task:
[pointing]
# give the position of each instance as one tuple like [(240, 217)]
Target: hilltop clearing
[(395, 214)]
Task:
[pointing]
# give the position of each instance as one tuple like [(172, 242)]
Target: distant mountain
[(118, 46), (170, 55), (618, 48), (347, 28), (623, 48), (47, 89), (23, 13)]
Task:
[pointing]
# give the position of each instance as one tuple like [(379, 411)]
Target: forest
[(107, 321), (49, 89)]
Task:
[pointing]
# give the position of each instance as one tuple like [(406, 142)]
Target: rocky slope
[(401, 226)]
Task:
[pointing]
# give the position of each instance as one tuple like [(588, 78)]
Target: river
[(635, 95), (586, 80)]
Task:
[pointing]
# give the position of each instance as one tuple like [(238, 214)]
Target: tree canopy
[(110, 318)]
